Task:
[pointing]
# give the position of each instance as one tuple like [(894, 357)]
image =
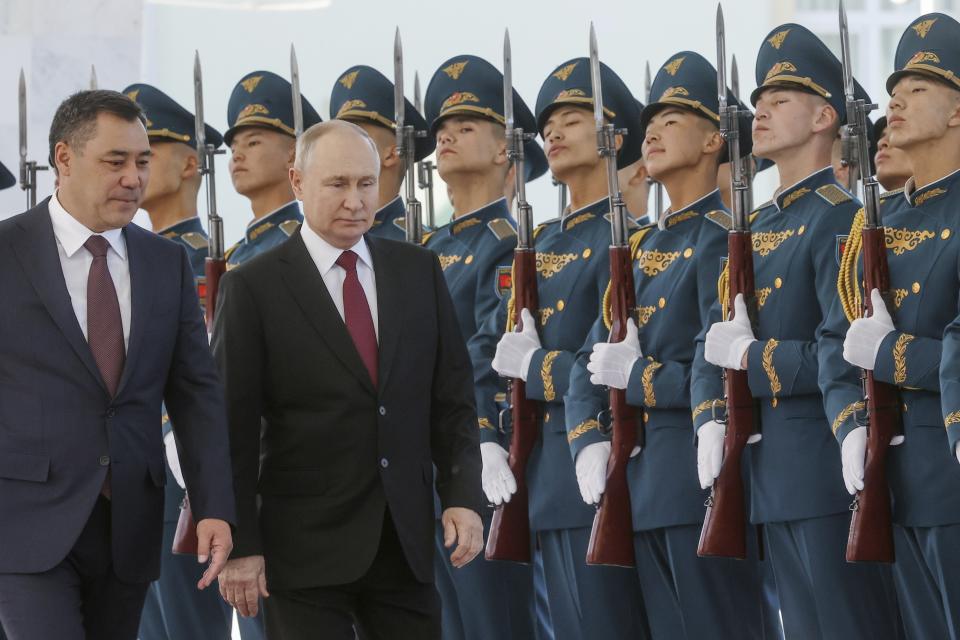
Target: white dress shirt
[(325, 257), (75, 261)]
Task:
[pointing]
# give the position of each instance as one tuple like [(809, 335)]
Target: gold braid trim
[(848, 281), (635, 241), (512, 301), (767, 362), (951, 419), (900, 358), (546, 374), (848, 411), (484, 423), (649, 397), (582, 428), (723, 290), (707, 404)]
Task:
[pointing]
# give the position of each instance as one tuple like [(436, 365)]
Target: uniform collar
[(573, 218), (289, 211), (72, 234), (701, 205), (786, 197), (390, 211), (477, 217), (917, 197), (187, 225)]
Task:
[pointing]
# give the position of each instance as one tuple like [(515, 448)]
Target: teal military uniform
[(173, 607), (363, 94), (266, 233), (573, 271), (797, 490), (491, 599), (920, 357), (676, 264)]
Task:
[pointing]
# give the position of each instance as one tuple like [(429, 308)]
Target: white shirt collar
[(663, 219), (71, 233), (325, 255)]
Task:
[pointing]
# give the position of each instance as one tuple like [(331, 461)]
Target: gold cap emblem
[(251, 83), (674, 91), (776, 40), (455, 69), (673, 66), (924, 56), (252, 110), (923, 27), (348, 79), (563, 73), (350, 105), (570, 93), (779, 68), (133, 94), (458, 98)]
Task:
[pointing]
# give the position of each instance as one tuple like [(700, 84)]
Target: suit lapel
[(41, 262), (305, 283), (138, 260), (390, 300)]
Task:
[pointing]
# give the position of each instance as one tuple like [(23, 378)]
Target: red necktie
[(357, 316)]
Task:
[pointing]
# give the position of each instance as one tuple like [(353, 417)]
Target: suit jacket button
[(383, 411), (384, 463), (104, 461), (111, 412)]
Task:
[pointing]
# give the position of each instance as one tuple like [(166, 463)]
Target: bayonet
[(657, 187), (424, 167), (295, 89), (405, 146), (28, 168), (94, 85), (206, 154)]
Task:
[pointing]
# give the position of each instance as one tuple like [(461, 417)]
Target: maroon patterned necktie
[(104, 326), (357, 316)]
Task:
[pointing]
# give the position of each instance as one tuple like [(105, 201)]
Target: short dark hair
[(75, 121)]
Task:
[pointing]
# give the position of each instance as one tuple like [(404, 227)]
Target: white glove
[(957, 451), (853, 454), (728, 341), (516, 348), (497, 479), (710, 438), (591, 465), (173, 460), (612, 362), (865, 335)]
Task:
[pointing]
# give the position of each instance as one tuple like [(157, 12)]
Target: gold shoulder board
[(833, 194), (721, 218), (195, 240), (501, 229), (289, 227)]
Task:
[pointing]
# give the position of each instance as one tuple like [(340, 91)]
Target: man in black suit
[(347, 380), (99, 324)]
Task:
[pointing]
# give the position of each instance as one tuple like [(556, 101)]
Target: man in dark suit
[(347, 379), (101, 324)]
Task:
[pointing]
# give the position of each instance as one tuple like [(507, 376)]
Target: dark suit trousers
[(79, 599), (387, 602)]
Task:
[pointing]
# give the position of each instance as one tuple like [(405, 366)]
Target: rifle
[(424, 167), (28, 168), (93, 78), (509, 537), (657, 187), (871, 533), (724, 530), (611, 538), (405, 146), (185, 539), (746, 161)]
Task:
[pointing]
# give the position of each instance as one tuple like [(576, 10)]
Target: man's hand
[(612, 362), (591, 470), (243, 582), (727, 342), (214, 542), (710, 452), (516, 349), (464, 527), (865, 335), (173, 460), (497, 479)]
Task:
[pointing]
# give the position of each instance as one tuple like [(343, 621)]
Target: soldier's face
[(339, 187), (260, 159), (469, 145), (677, 140), (102, 182), (921, 110), (785, 121), (893, 164), (570, 141), (171, 164)]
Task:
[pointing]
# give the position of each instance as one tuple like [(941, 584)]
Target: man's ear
[(63, 158), (954, 120), (190, 166), (389, 158), (296, 182), (501, 157), (714, 142), (826, 118), (639, 175)]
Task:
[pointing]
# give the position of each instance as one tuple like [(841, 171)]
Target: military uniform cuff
[(891, 357)]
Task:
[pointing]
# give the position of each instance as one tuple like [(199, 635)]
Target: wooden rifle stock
[(611, 538), (724, 530), (871, 531), (185, 538), (509, 537)]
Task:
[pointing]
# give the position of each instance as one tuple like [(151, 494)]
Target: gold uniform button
[(560, 305), (945, 234), (546, 417), (687, 252), (662, 302), (468, 260), (778, 283), (646, 417), (916, 287), (802, 228), (586, 253)]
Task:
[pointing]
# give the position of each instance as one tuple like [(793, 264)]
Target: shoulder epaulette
[(400, 223), (426, 237), (890, 194), (229, 252), (543, 225), (501, 229), (834, 194), (721, 218), (289, 227), (195, 240)]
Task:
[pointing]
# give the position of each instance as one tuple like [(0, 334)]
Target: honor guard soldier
[(262, 144), (635, 187), (174, 608), (676, 264), (572, 274), (911, 340), (796, 490), (464, 105), (893, 165), (364, 96)]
